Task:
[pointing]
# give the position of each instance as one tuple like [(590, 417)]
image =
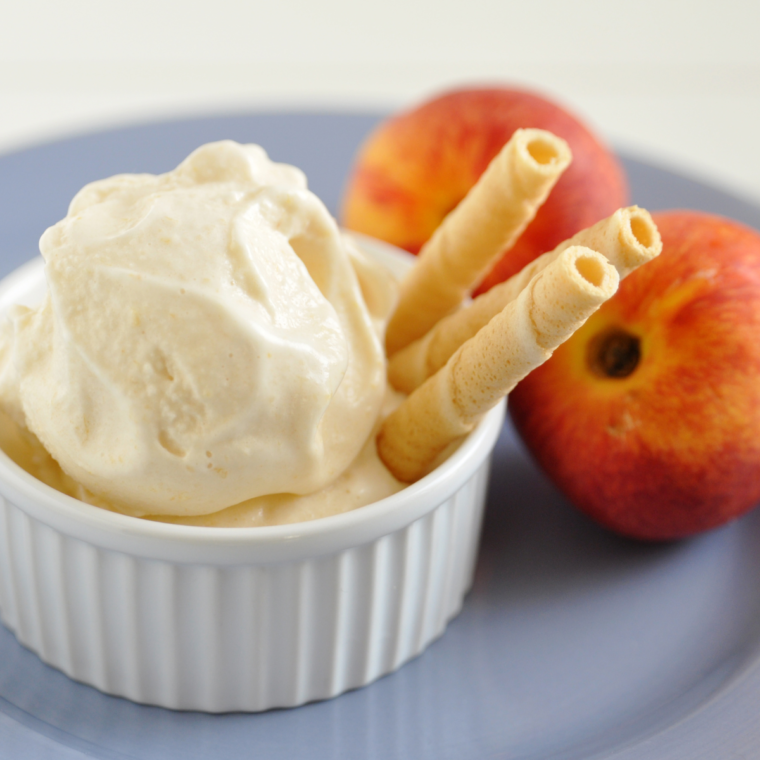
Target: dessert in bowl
[(235, 361), (192, 616)]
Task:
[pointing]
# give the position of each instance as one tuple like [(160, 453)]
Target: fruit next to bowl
[(648, 418), (417, 166)]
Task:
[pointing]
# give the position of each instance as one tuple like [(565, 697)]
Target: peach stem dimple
[(614, 354)]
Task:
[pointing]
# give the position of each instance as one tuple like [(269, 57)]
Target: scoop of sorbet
[(204, 339)]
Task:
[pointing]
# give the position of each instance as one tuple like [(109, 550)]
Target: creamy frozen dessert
[(209, 340)]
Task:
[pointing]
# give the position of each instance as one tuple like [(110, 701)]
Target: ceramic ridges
[(237, 637)]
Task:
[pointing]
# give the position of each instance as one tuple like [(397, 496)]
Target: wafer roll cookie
[(485, 224), (556, 302), (627, 239)]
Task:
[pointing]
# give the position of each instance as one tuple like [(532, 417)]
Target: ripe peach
[(648, 418), (417, 166)]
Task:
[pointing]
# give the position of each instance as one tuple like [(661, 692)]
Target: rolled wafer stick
[(485, 224), (627, 239), (555, 303)]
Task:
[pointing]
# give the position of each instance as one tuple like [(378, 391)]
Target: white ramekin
[(227, 619)]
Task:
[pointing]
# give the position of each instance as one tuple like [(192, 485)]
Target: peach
[(417, 166), (648, 418)]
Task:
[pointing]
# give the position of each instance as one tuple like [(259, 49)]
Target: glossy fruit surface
[(417, 166), (648, 418)]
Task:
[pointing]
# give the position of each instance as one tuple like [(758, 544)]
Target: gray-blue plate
[(572, 644)]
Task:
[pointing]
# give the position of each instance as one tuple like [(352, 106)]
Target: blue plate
[(573, 643)]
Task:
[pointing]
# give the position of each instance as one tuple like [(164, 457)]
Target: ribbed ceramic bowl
[(225, 619)]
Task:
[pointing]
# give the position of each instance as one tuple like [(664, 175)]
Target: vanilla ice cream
[(208, 338)]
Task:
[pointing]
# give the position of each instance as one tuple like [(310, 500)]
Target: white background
[(677, 81)]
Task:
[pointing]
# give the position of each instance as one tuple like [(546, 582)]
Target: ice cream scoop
[(208, 336)]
